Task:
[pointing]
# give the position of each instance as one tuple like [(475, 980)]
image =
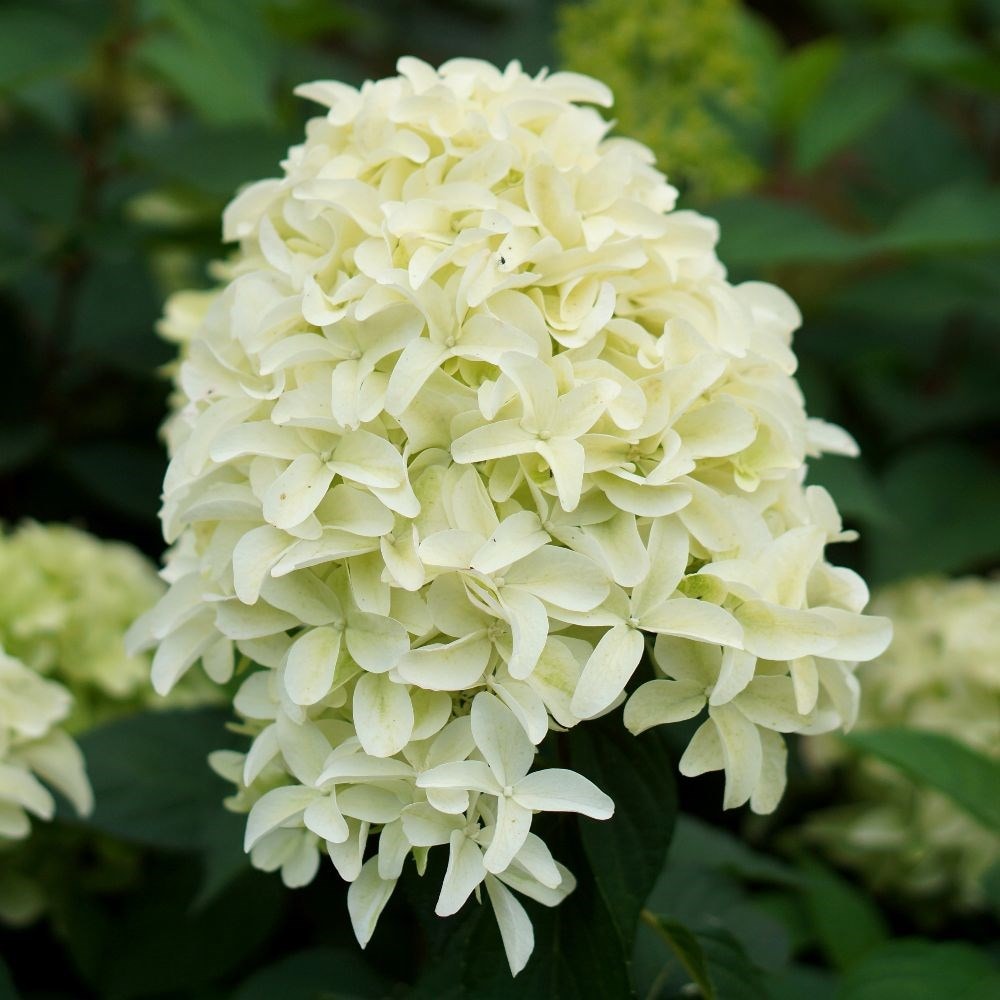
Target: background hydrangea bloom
[(942, 673), (692, 80), (67, 600), (476, 412)]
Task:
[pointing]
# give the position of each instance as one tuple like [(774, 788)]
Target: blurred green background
[(849, 149)]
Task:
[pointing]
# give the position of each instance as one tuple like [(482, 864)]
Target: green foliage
[(627, 852), (969, 778)]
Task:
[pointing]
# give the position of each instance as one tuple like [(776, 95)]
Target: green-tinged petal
[(312, 661), (742, 752), (453, 666), (383, 715), (693, 619), (660, 702), (366, 899), (776, 633), (499, 439), (297, 492)]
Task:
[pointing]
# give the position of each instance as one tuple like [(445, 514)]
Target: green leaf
[(861, 93), (218, 56), (966, 776), (626, 853), (847, 922), (577, 953), (152, 783), (944, 500), (804, 75), (20, 445), (852, 486), (330, 973), (799, 981), (757, 232), (714, 961), (127, 478), (697, 843), (958, 218), (7, 989), (159, 946), (36, 40), (922, 970)]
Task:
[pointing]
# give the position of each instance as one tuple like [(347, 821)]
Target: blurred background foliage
[(848, 149)]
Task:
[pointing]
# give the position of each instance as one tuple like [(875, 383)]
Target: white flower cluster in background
[(942, 673), (475, 416), (65, 603), (33, 747)]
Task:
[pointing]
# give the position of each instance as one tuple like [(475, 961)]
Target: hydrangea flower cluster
[(66, 602), (942, 673), (33, 745), (693, 81), (477, 413)]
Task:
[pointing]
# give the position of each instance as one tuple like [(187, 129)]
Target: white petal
[(735, 674), (559, 790), (463, 774), (515, 927), (607, 671), (561, 577), (253, 558), (857, 637), (773, 774), (273, 809), (465, 871), (529, 626), (511, 829), (376, 642), (366, 899), (424, 826), (703, 753), (325, 819), (500, 739)]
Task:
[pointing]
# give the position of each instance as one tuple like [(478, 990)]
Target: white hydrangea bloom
[(476, 411), (942, 673), (33, 747)]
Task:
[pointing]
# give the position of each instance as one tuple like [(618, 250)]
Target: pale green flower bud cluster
[(942, 673), (65, 604), (33, 746), (692, 79), (475, 414)]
